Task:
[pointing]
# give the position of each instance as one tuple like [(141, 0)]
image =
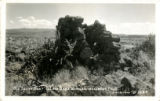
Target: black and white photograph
[(80, 49)]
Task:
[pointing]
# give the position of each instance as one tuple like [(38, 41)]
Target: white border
[(3, 27), (82, 1), (0, 50), (113, 98)]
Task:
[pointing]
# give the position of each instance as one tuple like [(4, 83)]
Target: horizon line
[(151, 33)]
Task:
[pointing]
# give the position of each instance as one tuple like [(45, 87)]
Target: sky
[(118, 18)]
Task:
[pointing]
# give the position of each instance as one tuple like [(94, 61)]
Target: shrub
[(143, 55), (148, 45), (41, 62)]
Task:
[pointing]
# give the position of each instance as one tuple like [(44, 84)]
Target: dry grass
[(65, 75)]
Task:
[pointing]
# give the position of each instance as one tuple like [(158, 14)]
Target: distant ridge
[(51, 32), (44, 32), (30, 29), (130, 35)]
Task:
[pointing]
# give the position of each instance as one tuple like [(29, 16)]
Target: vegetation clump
[(76, 44)]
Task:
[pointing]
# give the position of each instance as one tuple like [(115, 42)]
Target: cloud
[(126, 27), (11, 22), (116, 28), (132, 28), (19, 17), (32, 22)]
